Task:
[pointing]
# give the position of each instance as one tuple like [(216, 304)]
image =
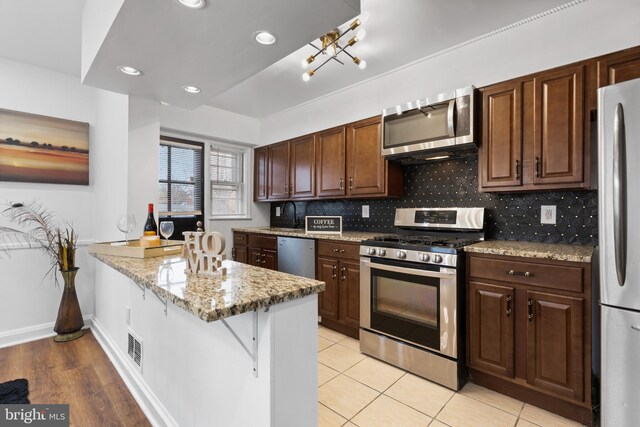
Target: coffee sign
[(323, 224)]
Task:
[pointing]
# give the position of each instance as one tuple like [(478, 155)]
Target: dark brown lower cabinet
[(529, 331), (338, 266), (255, 249)]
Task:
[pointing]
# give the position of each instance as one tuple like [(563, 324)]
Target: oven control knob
[(424, 257), (382, 252), (437, 259), (371, 251), (401, 254)]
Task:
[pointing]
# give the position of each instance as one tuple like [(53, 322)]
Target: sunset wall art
[(43, 149)]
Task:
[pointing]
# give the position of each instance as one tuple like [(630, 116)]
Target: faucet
[(296, 222)]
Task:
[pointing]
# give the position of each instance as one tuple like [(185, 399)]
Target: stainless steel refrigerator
[(619, 241)]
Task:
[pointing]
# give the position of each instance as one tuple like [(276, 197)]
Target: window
[(180, 178), (227, 170)]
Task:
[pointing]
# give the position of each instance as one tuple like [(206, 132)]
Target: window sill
[(226, 218)]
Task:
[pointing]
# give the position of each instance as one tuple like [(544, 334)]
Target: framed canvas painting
[(36, 148)]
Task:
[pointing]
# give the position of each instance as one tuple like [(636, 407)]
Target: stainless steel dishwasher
[(297, 256)]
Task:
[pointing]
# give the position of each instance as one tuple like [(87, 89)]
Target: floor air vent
[(134, 349)]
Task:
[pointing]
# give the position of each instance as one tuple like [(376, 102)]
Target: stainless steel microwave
[(420, 129)]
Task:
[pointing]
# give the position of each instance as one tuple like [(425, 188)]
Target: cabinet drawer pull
[(338, 250), (537, 167), (520, 273), (517, 169), (530, 304), (509, 305)]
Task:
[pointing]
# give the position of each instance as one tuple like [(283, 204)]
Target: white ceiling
[(212, 47)]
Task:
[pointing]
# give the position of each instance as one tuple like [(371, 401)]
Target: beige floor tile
[(331, 335), (345, 396), (436, 423), (324, 343), (386, 412), (328, 418), (420, 394), (543, 418), (350, 343), (375, 374), (325, 374), (464, 411), (339, 357), (525, 423), (492, 398)]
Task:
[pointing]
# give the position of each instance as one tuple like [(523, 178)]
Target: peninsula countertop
[(552, 251), (347, 236), (244, 288)]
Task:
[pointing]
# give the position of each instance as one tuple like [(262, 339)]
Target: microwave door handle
[(451, 118), (412, 271), (620, 194)]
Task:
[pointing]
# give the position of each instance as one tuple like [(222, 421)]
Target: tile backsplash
[(454, 183)]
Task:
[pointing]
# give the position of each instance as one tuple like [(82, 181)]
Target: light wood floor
[(78, 373)]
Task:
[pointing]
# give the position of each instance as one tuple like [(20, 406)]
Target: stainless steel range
[(412, 292)]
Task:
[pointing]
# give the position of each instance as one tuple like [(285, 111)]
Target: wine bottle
[(150, 226)]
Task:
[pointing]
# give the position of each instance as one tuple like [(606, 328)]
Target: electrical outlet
[(277, 210), (365, 211), (127, 315), (548, 214)]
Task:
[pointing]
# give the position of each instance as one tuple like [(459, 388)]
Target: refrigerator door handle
[(620, 194)]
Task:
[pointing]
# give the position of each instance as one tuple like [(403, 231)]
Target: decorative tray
[(133, 249)]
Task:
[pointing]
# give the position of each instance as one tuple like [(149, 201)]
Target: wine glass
[(166, 229), (126, 223)]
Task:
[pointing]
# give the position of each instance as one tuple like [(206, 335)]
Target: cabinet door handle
[(290, 188), (233, 253), (537, 167), (342, 275), (341, 184), (285, 189), (333, 271), (517, 169), (350, 183), (530, 304), (509, 305), (520, 273)]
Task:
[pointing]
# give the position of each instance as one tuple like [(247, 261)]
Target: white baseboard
[(155, 411), (35, 332)]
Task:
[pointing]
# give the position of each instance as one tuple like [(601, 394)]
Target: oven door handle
[(444, 272)]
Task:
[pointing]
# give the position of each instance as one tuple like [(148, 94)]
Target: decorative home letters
[(204, 252)]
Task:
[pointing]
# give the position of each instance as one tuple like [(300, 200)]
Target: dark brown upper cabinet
[(534, 134), (341, 162), (618, 67)]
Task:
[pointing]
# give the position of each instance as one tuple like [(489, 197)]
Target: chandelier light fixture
[(331, 46)]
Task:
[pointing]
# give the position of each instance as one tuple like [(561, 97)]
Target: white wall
[(213, 124), (25, 300), (589, 29)]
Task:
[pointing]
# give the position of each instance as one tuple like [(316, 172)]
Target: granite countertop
[(347, 236), (244, 288), (554, 251)]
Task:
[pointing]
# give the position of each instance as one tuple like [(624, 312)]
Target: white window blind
[(180, 179), (227, 182)]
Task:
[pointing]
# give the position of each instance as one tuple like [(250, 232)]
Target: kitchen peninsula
[(249, 336)]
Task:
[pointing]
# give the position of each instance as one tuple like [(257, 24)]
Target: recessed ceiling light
[(265, 37), (191, 89), (165, 103), (193, 4), (129, 70)]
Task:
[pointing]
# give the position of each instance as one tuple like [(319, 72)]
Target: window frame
[(202, 147), (247, 174)]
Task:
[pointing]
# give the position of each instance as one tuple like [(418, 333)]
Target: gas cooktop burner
[(425, 241)]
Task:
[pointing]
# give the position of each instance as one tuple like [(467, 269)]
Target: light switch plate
[(277, 210), (547, 214), (365, 211)]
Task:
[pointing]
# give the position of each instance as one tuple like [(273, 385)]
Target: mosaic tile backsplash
[(454, 183)]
